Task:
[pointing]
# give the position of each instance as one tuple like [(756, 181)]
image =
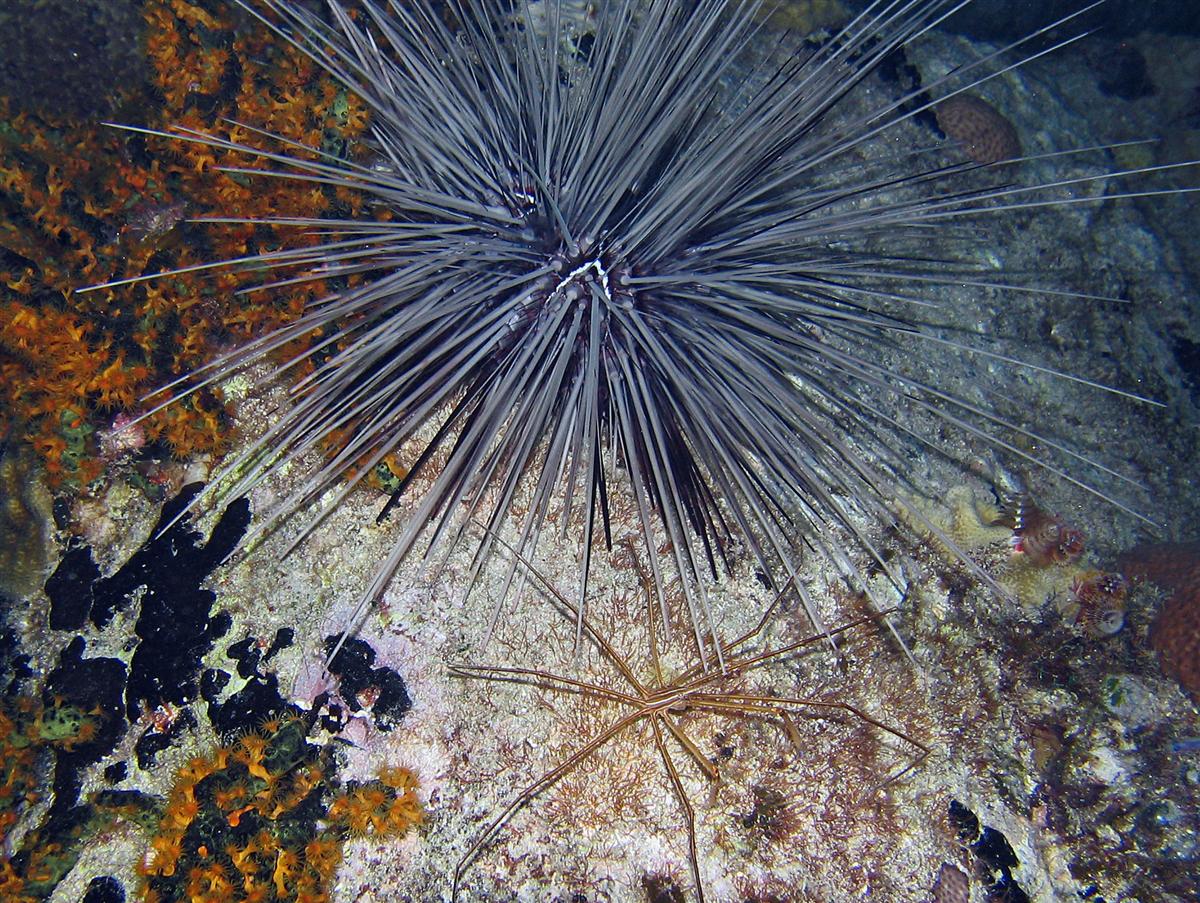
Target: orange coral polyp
[(183, 811), (256, 893), (401, 814), (167, 850), (323, 854), (398, 778), (286, 865), (50, 358), (235, 817), (229, 798), (252, 745), (196, 770)]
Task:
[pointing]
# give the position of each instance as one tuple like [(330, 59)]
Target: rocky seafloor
[(1015, 751)]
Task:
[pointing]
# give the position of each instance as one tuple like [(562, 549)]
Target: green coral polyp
[(65, 724)]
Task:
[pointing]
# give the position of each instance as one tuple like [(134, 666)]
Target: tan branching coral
[(655, 714)]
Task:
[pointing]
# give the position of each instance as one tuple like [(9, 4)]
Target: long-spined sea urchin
[(614, 255)]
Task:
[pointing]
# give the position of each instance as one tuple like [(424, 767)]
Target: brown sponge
[(985, 135), (1175, 634)]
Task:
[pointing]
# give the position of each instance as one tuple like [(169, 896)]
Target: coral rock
[(1175, 567), (25, 524), (1096, 603), (985, 135)]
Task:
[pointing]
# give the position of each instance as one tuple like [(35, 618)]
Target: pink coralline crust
[(1175, 634), (313, 681), (124, 435)]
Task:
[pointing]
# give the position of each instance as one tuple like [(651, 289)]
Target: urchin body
[(601, 257)]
